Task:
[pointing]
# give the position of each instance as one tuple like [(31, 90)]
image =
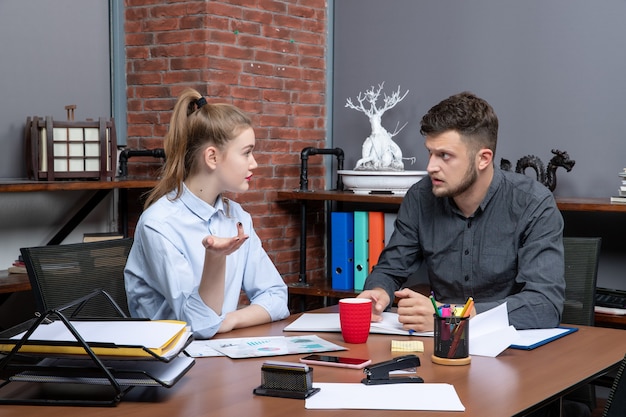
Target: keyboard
[(610, 298)]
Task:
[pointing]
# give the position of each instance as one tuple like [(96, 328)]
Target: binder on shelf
[(390, 220), (376, 238), (342, 250), (361, 248), (60, 350)]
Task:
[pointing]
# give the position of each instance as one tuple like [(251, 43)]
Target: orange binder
[(376, 236)]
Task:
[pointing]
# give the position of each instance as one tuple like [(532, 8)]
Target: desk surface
[(489, 387)]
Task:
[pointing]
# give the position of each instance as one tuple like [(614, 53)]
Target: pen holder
[(451, 340), (286, 381)]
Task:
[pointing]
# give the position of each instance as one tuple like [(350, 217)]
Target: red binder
[(376, 236)]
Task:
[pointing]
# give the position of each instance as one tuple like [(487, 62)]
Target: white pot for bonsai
[(395, 182)]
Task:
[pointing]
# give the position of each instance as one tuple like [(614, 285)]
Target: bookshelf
[(100, 190), (10, 283), (325, 289)]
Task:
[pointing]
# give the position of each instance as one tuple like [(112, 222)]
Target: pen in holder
[(451, 340), (286, 380)]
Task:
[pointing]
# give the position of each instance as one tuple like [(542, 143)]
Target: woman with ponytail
[(194, 249)]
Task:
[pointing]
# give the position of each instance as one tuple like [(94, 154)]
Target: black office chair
[(616, 402), (581, 273), (61, 274)]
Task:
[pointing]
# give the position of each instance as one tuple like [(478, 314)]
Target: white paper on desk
[(428, 397), (490, 332), (329, 322), (202, 349), (253, 347)]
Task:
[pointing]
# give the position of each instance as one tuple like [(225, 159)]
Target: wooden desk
[(516, 381)]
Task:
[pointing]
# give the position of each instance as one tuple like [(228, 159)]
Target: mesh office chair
[(581, 273), (61, 274)]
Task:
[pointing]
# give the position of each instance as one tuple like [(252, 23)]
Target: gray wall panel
[(553, 70), (52, 53)]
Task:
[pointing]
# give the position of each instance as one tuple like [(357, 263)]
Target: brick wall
[(266, 57)]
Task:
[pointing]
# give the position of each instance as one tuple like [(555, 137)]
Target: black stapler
[(378, 374)]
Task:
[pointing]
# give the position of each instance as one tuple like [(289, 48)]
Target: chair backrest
[(61, 274), (581, 274), (616, 402)]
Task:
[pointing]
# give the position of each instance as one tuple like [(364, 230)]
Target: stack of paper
[(129, 352), (427, 397), (119, 338)]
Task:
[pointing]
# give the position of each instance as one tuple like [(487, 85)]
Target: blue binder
[(361, 248), (342, 250)]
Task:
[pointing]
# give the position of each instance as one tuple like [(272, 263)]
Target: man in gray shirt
[(481, 232)]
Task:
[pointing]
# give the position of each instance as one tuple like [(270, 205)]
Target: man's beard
[(470, 177)]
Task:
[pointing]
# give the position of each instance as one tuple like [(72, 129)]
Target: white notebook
[(329, 322)]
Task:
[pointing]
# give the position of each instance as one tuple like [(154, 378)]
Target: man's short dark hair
[(472, 117)]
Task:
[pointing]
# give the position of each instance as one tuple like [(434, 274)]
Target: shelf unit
[(100, 190), (326, 290), (19, 282), (564, 204)]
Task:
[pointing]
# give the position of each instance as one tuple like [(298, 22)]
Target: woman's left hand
[(225, 245)]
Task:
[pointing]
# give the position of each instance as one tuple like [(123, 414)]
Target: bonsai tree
[(379, 151)]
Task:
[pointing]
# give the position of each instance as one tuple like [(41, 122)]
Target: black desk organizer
[(99, 369)]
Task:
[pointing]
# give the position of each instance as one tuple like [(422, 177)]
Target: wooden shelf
[(322, 290), (564, 203), (99, 190), (20, 185), (346, 196), (13, 282), (589, 204)]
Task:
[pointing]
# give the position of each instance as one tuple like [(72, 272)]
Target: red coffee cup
[(355, 315)]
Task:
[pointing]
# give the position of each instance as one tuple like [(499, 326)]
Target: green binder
[(361, 248)]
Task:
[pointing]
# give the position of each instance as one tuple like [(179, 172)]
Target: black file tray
[(95, 381)]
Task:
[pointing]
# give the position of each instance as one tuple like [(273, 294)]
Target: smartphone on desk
[(338, 361)]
